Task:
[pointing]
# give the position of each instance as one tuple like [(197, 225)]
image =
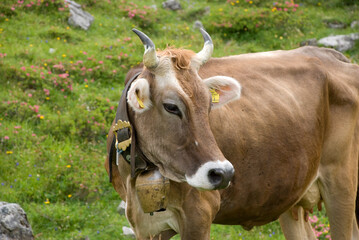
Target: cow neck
[(132, 155)]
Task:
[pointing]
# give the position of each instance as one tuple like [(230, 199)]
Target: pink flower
[(100, 62), (36, 108), (17, 127), (29, 95), (90, 69), (23, 68), (6, 137), (85, 53), (64, 75)]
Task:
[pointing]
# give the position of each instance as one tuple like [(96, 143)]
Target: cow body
[(292, 138)]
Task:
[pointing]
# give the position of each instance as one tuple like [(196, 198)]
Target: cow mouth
[(212, 175)]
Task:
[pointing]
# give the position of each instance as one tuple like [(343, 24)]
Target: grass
[(60, 87)]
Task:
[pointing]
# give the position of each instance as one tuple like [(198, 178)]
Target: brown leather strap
[(137, 161)]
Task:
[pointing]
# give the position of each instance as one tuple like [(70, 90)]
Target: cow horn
[(150, 59), (204, 55)]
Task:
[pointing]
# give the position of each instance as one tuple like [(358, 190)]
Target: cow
[(243, 140)]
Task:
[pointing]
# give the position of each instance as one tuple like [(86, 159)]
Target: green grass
[(56, 108)]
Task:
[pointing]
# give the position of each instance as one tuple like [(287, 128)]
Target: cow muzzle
[(212, 175)]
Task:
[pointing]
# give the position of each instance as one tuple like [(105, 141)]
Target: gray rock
[(121, 209), (309, 42), (336, 25), (79, 17), (354, 24), (13, 223), (172, 4), (207, 10), (128, 232), (340, 42), (198, 25)]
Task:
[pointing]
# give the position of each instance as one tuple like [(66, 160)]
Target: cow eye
[(172, 108)]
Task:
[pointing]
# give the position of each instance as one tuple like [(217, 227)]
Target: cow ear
[(138, 96), (223, 89)]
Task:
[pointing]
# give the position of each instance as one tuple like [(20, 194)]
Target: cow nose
[(220, 178)]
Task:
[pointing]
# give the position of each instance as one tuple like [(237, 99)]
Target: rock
[(336, 25), (121, 209), (128, 232), (172, 4), (207, 10), (13, 223), (154, 7), (198, 24), (79, 17), (340, 42), (309, 42), (52, 50), (354, 24)]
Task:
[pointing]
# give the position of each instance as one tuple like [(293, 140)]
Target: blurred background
[(60, 85)]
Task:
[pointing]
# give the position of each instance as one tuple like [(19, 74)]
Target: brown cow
[(286, 121)]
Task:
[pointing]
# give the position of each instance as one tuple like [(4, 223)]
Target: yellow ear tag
[(140, 102), (215, 95)]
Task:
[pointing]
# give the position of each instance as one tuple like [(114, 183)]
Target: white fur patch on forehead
[(165, 75)]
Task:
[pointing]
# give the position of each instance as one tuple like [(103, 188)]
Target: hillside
[(60, 86)]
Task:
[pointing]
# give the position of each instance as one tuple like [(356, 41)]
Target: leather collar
[(133, 154)]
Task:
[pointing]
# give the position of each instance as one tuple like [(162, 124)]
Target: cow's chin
[(172, 175)]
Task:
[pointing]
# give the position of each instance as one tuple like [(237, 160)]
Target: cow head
[(170, 106)]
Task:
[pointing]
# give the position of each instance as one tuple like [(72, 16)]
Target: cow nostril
[(216, 176)]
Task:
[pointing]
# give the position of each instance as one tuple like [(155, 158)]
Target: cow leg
[(296, 229), (197, 213), (338, 186)]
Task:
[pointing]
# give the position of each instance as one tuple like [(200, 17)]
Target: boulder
[(79, 17), (309, 42), (354, 24), (128, 232), (121, 209), (172, 4), (13, 223), (340, 42)]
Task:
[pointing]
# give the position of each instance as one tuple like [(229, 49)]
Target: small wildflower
[(68, 166), (69, 196), (47, 201), (9, 152), (86, 86), (6, 137), (63, 55)]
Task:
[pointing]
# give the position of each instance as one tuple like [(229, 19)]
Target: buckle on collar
[(121, 146)]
